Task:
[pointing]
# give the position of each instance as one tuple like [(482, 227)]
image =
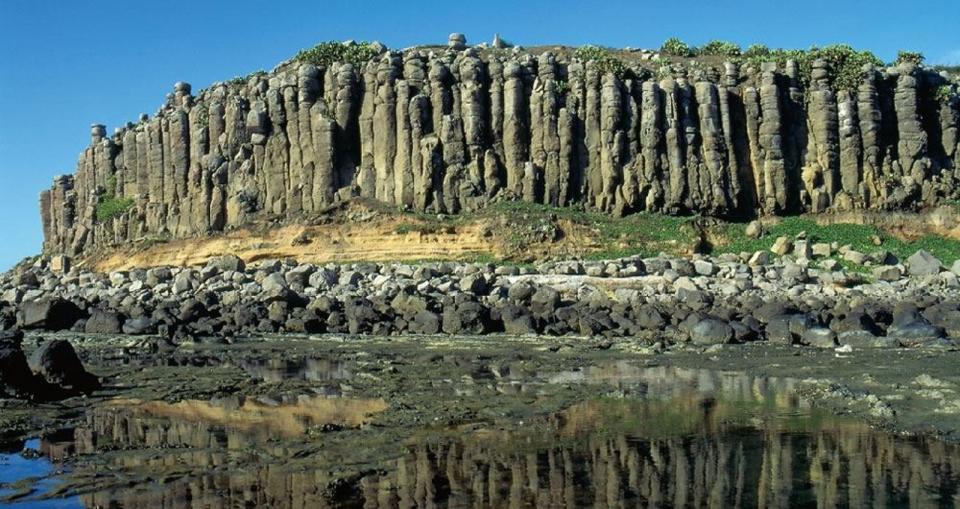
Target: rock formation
[(450, 130)]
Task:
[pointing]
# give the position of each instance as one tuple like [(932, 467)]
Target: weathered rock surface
[(450, 130)]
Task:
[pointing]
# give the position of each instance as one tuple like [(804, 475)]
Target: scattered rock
[(923, 263), (711, 332), (781, 246)]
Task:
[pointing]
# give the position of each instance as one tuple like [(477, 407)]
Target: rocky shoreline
[(789, 295)]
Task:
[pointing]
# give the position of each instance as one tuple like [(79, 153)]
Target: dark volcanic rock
[(16, 379), (57, 362), (49, 314), (103, 322), (516, 320), (711, 332)]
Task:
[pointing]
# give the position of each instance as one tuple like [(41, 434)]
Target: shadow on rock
[(53, 372)]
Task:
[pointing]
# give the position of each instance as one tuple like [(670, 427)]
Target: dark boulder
[(361, 315), (711, 332), (649, 318), (595, 321), (227, 262), (103, 322), (516, 320), (425, 322), (16, 379), (465, 316), (544, 301), (820, 337), (49, 314), (57, 362), (139, 326), (788, 329)]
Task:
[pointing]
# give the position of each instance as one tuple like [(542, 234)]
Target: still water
[(648, 437)]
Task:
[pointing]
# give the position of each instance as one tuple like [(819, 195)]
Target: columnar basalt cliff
[(449, 130)]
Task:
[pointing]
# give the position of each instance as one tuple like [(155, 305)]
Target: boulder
[(855, 257), (922, 263), (781, 246), (704, 267), (821, 250), (465, 317), (49, 314), (425, 322), (711, 332), (103, 322), (139, 326), (888, 273), (820, 337), (57, 362), (516, 320), (227, 262), (544, 301), (16, 379)]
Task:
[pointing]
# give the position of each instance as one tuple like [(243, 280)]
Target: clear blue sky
[(67, 64)]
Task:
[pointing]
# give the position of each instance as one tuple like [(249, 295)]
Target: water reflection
[(26, 474), (311, 369), (663, 437)]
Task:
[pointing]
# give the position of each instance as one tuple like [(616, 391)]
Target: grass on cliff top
[(520, 227), (733, 239), (528, 230)]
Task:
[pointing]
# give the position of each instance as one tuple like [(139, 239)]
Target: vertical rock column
[(912, 144), (674, 146), (729, 103), (950, 132), (515, 131), (868, 108), (474, 115), (651, 146), (771, 143), (823, 151), (385, 127), (851, 153), (715, 153), (612, 142)]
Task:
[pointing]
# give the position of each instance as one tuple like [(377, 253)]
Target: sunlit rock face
[(450, 131)]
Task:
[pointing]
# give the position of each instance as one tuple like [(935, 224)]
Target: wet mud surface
[(297, 421)]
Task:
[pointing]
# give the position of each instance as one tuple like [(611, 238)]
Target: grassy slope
[(521, 224)]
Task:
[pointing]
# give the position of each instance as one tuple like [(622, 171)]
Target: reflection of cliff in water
[(694, 438)]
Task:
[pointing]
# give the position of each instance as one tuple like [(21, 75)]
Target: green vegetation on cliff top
[(522, 226)]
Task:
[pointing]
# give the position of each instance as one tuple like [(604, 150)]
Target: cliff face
[(450, 130)]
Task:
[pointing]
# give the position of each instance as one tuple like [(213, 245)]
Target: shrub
[(676, 47), (756, 50), (943, 93), (108, 205), (913, 57), (845, 63), (331, 52), (603, 60), (720, 48)]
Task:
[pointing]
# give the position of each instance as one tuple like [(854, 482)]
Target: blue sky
[(65, 65)]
